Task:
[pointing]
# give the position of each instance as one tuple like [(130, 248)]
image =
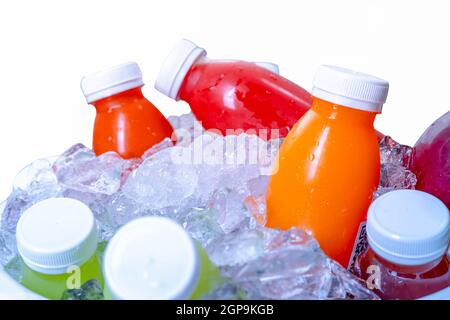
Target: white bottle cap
[(111, 81), (151, 258), (56, 234), (350, 88), (269, 66), (408, 227), (176, 66)]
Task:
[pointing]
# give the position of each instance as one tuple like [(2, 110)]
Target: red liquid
[(128, 124), (431, 160), (403, 282), (240, 95)]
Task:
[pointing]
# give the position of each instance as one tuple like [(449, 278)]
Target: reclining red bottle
[(232, 95), (126, 121)]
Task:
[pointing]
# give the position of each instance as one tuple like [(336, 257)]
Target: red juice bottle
[(232, 95), (126, 121), (408, 233), (431, 159)]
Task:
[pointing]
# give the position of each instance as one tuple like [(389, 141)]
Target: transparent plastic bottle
[(408, 233), (232, 95), (153, 258), (329, 164), (57, 242), (126, 121)]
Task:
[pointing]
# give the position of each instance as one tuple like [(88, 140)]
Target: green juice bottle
[(57, 242), (155, 258)]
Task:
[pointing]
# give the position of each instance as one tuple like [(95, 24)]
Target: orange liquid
[(128, 124), (329, 167)]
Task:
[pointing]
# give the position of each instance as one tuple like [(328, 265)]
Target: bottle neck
[(338, 112), (118, 99), (191, 78)]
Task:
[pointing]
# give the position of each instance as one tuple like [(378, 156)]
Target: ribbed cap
[(176, 66), (350, 88), (111, 81), (408, 227), (55, 234)]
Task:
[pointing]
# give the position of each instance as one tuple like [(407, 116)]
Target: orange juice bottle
[(126, 121), (329, 164)]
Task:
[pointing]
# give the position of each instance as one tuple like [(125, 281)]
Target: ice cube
[(115, 211), (395, 153), (160, 182), (237, 248), (36, 178), (292, 267), (90, 290), (79, 169), (228, 162), (227, 291), (201, 224), (32, 184), (396, 177), (15, 268), (184, 121), (8, 248), (166, 143), (233, 213), (186, 128), (395, 162), (255, 201)]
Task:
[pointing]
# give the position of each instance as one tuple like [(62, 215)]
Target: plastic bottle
[(126, 121), (57, 242), (408, 233), (232, 95), (154, 258), (329, 164), (431, 159)]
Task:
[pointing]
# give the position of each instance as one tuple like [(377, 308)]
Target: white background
[(47, 46)]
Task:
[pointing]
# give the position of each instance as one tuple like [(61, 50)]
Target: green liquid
[(53, 286), (209, 276)]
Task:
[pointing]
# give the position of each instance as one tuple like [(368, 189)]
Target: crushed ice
[(215, 188)]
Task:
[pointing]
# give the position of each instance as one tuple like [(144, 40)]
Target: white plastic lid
[(111, 81), (151, 258), (55, 234), (350, 88), (176, 66), (408, 227)]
